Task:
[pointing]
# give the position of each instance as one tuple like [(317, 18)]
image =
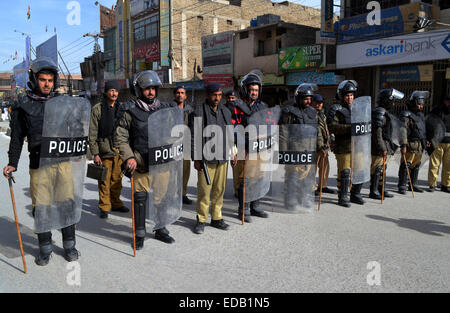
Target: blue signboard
[(189, 85), (356, 28), (294, 79)]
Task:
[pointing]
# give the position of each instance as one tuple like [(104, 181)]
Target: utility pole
[(95, 36)]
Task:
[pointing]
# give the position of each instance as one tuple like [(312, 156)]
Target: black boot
[(355, 194), (344, 199), (414, 177), (374, 183), (256, 210), (162, 234), (140, 199), (70, 253), (45, 248), (402, 178), (246, 210)]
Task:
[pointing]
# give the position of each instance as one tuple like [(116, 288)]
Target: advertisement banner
[(217, 53), (302, 57), (49, 49), (417, 47), (394, 21), (138, 6), (164, 17), (414, 73), (28, 51), (226, 80), (149, 52), (327, 16), (21, 75), (295, 79)]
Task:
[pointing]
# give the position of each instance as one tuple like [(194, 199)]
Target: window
[(243, 35), (260, 48), (200, 18), (229, 22), (269, 34), (147, 29)]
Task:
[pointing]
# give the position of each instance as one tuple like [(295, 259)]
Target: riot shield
[(62, 165), (165, 143), (262, 130), (297, 167), (361, 139), (435, 131)]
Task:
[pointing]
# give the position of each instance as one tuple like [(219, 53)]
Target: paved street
[(326, 251)]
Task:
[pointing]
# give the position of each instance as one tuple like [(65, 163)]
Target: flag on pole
[(29, 12), (55, 30)]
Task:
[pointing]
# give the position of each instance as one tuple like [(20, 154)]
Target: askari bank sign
[(400, 49)]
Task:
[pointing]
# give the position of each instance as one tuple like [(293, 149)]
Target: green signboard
[(302, 57)]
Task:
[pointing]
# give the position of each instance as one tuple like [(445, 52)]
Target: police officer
[(323, 145), (339, 123), (382, 144), (210, 113), (101, 143), (440, 150), (180, 101), (250, 103), (132, 142), (27, 119), (414, 142)]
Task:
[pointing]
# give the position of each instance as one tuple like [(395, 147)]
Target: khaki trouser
[(323, 166), (186, 174), (377, 161), (51, 183), (110, 189), (440, 155), (218, 176), (413, 158), (344, 162), (158, 183)]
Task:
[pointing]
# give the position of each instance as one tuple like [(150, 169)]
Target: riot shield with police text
[(57, 185), (165, 143), (361, 118), (262, 130), (297, 167)]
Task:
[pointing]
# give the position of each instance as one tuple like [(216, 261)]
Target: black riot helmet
[(386, 97), (145, 79), (42, 65), (255, 77), (304, 90), (416, 98), (346, 87)]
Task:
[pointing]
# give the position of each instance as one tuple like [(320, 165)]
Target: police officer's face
[(253, 92), (348, 98), (306, 101), (215, 98), (420, 105), (180, 95), (149, 92), (318, 105), (231, 98), (46, 83), (112, 95)]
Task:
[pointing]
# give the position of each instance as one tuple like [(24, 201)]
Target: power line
[(71, 43)]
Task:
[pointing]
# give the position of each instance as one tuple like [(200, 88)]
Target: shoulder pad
[(243, 106), (188, 108), (311, 112), (378, 116), (332, 111)]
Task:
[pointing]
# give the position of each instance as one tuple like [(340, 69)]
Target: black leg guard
[(243, 207), (355, 194), (140, 200), (380, 186), (45, 248), (374, 183), (414, 178), (256, 210), (402, 178), (344, 199), (70, 253)]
